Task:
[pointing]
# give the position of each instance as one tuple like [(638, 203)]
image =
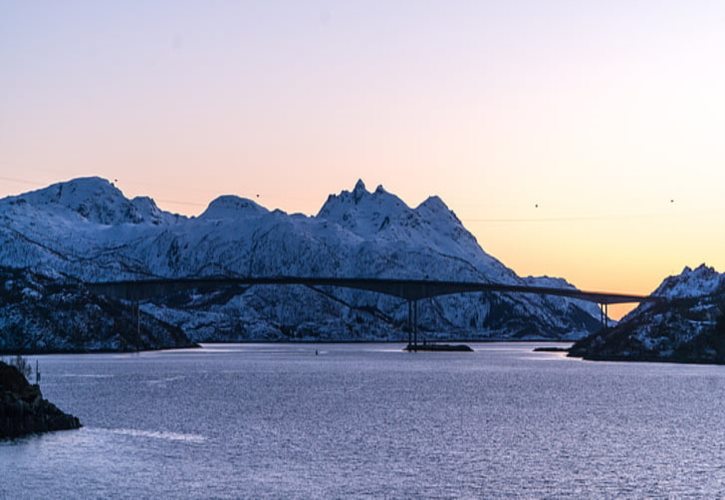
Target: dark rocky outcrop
[(551, 349), (438, 348), (681, 331), (23, 409), (686, 326)]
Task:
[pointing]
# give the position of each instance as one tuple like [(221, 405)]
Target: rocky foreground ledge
[(23, 409)]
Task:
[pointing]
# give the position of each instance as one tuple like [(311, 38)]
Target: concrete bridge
[(410, 290)]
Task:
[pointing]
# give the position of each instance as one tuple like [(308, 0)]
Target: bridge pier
[(415, 325), (410, 322), (604, 314), (138, 322), (412, 325)]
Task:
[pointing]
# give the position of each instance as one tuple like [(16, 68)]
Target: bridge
[(407, 289)]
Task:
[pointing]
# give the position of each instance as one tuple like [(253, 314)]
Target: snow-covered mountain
[(87, 229), (688, 325), (95, 200)]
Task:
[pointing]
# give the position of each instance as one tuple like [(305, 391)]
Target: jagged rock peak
[(232, 207), (359, 187), (368, 213), (359, 191), (703, 280), (361, 204)]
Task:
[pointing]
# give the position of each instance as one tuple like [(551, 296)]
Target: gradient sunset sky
[(608, 115)]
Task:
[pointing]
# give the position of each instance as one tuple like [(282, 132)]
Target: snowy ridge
[(96, 200), (232, 207), (688, 326), (700, 281), (87, 229)]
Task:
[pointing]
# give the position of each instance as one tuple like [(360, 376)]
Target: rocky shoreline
[(23, 409)]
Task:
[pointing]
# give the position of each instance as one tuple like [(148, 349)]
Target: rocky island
[(23, 409), (687, 326)]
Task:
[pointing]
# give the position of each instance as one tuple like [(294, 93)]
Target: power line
[(22, 181), (576, 218), (175, 202)]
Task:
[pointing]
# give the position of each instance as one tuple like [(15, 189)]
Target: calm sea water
[(369, 420)]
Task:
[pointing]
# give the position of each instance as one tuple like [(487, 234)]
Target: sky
[(576, 138)]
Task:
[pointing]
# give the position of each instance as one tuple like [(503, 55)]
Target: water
[(370, 420)]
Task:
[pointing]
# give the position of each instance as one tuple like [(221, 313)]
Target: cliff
[(23, 409)]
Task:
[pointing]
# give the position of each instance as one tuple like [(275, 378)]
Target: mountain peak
[(703, 280), (97, 200), (74, 189), (435, 207), (359, 186), (359, 191), (232, 207), (359, 208), (435, 204)]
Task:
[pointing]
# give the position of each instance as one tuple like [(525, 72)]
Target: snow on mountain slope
[(95, 200), (38, 314), (688, 325), (702, 280), (87, 229), (232, 207), (383, 217)]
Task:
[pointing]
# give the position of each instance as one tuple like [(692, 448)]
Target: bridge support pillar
[(412, 325), (138, 323), (415, 325), (604, 314)]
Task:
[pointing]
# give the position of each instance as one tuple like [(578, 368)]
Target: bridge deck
[(410, 290)]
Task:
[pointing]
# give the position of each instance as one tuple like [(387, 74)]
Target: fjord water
[(370, 420)]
